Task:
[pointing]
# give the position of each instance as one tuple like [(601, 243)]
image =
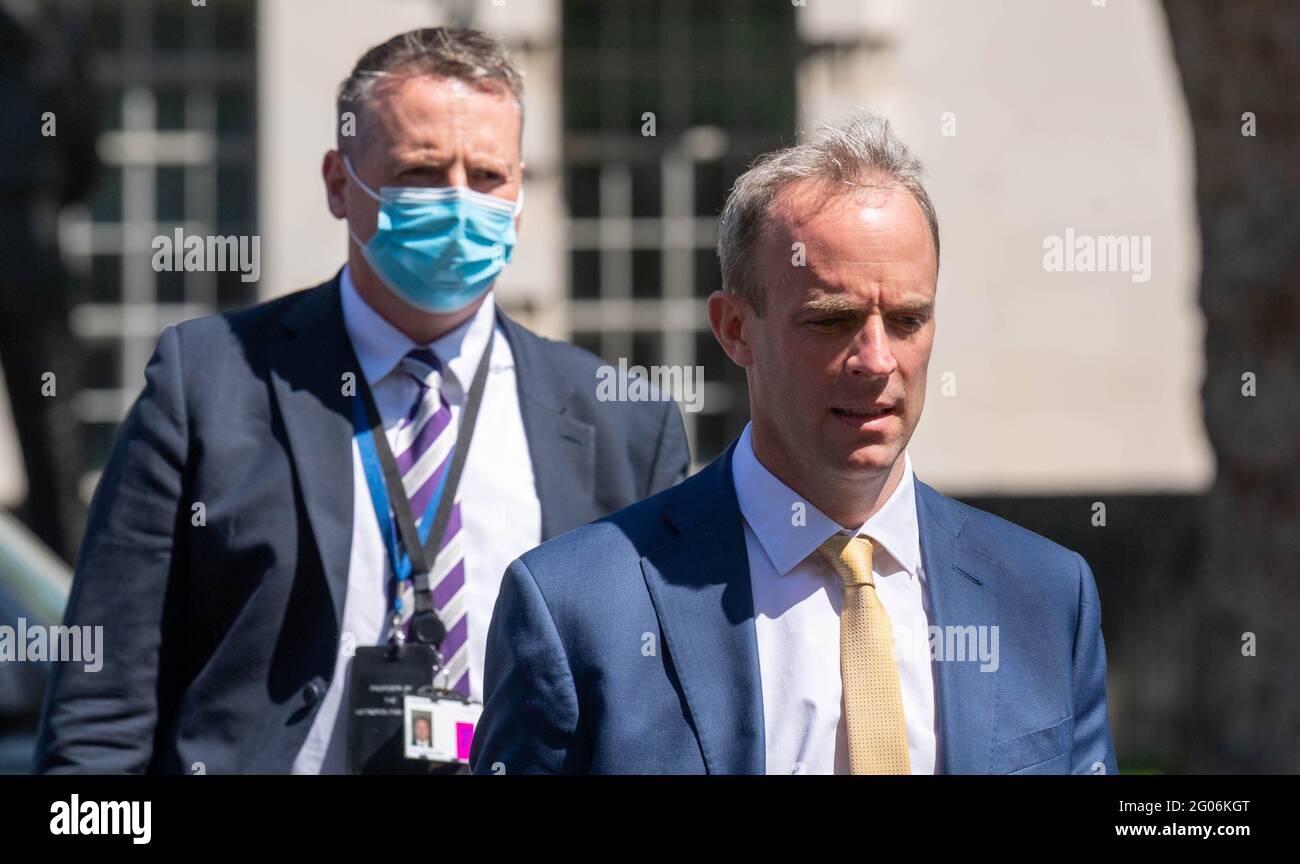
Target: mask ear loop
[(347, 164)]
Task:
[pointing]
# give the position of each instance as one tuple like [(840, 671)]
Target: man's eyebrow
[(494, 163), (835, 304), (920, 307), (418, 163), (831, 304)]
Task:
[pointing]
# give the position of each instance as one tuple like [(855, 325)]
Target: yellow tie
[(873, 699)]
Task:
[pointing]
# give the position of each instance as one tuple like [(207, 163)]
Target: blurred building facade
[(1031, 118), (215, 119)]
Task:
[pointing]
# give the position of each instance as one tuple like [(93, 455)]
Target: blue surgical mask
[(439, 248)]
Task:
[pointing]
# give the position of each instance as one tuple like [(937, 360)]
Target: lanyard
[(388, 496)]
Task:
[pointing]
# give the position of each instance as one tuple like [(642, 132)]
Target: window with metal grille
[(178, 149), (718, 81)]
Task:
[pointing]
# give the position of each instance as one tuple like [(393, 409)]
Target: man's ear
[(728, 313), (336, 184)]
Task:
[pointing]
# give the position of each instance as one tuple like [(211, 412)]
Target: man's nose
[(456, 174), (870, 354)]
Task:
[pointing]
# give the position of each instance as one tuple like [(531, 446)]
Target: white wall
[(1067, 115), (305, 50)]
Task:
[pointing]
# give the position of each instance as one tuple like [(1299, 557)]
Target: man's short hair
[(860, 152), (457, 53)]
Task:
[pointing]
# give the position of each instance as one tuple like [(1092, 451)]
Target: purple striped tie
[(423, 444)]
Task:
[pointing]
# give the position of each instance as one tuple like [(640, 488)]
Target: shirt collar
[(380, 346), (768, 506)]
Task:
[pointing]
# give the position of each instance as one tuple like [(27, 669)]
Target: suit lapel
[(699, 584), (561, 447), (307, 374), (962, 593)]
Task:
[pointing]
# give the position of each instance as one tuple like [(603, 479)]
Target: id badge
[(440, 728), (380, 679)]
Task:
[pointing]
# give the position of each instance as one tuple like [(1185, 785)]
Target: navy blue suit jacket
[(220, 640), (570, 687)]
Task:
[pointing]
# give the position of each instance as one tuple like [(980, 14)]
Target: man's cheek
[(916, 398)]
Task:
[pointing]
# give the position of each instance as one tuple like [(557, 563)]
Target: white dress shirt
[(501, 517), (797, 600)]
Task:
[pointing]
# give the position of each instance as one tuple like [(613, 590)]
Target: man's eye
[(422, 173), (911, 322), (825, 322)]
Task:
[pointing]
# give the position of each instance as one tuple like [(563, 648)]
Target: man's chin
[(870, 459)]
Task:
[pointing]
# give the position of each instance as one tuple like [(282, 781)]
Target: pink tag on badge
[(464, 736)]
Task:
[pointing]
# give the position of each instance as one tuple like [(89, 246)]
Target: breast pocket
[(1043, 751)]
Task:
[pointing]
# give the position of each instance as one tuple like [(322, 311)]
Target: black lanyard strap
[(426, 626)]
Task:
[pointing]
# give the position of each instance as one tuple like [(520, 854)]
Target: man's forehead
[(831, 233), (422, 112), (804, 204), (424, 89)]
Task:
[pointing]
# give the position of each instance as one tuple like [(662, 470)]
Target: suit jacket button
[(311, 693)]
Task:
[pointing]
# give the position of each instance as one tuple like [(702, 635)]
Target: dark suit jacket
[(220, 639)]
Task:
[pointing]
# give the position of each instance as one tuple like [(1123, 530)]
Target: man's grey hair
[(458, 53), (859, 152)]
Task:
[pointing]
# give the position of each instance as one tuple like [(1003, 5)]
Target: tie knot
[(851, 558), (423, 365)]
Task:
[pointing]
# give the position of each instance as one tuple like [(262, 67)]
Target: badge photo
[(439, 729)]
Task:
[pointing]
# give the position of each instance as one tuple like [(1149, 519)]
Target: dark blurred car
[(34, 586)]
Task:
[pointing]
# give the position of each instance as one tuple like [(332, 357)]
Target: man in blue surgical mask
[(311, 505)]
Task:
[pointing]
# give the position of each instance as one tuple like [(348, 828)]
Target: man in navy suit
[(234, 554), (805, 604)]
